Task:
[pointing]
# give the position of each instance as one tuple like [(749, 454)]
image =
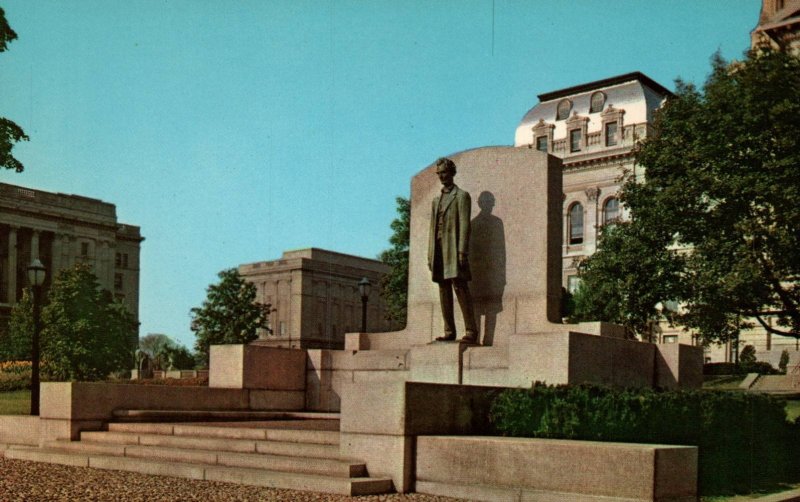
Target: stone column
[(55, 255), (34, 245), (12, 264), (591, 221)]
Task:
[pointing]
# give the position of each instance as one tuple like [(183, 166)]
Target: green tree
[(86, 334), (229, 314), (783, 364), (611, 288), (15, 343), (394, 285), (10, 133), (748, 355), (165, 353), (721, 185)]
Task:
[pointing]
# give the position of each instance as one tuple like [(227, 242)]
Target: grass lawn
[(17, 402)]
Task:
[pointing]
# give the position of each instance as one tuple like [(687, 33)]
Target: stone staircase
[(289, 453)]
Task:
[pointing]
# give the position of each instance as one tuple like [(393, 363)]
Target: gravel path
[(31, 481)]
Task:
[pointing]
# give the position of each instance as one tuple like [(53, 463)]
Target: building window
[(610, 211), (118, 260), (573, 281), (575, 224), (118, 281), (541, 143), (575, 140), (564, 107), (670, 338), (84, 249), (598, 99), (611, 133), (282, 325)]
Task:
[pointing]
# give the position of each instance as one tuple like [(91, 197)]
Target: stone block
[(373, 408), (19, 429), (412, 408), (284, 400), (437, 362), (370, 360), (573, 358), (569, 468), (257, 367), (679, 366), (89, 401), (388, 456), (380, 376)]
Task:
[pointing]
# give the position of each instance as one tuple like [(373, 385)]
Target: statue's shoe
[(469, 339), (445, 338)]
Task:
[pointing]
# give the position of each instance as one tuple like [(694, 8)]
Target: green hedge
[(745, 442), (760, 367)]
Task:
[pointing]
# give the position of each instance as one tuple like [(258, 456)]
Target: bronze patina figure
[(448, 248)]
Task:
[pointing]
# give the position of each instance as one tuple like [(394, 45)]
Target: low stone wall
[(69, 407), (19, 429), (496, 468)]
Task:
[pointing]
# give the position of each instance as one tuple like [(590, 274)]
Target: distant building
[(62, 230), (593, 128), (778, 26), (315, 297)]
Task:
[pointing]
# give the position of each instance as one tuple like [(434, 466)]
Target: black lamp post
[(36, 275), (363, 288)]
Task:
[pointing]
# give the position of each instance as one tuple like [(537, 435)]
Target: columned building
[(61, 230), (315, 298)]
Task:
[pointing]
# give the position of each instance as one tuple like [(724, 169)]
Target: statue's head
[(445, 170), (445, 164)]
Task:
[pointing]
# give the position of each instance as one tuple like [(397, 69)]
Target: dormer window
[(575, 140), (541, 143), (564, 107), (598, 100), (611, 133)]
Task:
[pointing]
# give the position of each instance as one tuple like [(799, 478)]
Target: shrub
[(744, 440), (15, 375), (760, 367)]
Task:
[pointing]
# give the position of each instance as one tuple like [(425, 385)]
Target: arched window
[(596, 102), (610, 211), (575, 224), (564, 107)]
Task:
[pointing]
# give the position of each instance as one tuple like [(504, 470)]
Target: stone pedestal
[(438, 362)]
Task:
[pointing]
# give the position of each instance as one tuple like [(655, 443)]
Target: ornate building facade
[(315, 299), (61, 230), (593, 127), (778, 26)]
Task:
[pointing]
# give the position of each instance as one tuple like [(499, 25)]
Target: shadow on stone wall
[(488, 264)]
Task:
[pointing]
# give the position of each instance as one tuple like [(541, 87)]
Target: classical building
[(62, 230), (315, 298), (778, 26), (593, 128)]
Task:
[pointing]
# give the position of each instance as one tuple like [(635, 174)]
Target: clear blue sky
[(232, 131)]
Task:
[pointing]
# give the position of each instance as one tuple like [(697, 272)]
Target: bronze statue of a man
[(448, 248)]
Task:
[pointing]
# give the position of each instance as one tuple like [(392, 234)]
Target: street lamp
[(363, 288), (36, 275)]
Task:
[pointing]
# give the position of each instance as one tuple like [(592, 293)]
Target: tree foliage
[(164, 353), (86, 334), (394, 285), (15, 343), (229, 314), (10, 133), (721, 198)]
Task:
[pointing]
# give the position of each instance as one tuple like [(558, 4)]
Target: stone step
[(287, 448), (270, 432), (322, 466), (217, 415), (241, 475)]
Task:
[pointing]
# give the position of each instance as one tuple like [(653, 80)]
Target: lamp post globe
[(36, 277)]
